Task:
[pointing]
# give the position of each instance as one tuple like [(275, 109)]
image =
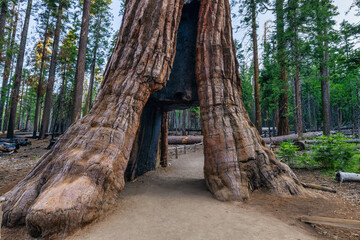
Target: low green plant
[(289, 152), (333, 153)]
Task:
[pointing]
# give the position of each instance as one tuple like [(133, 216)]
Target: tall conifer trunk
[(256, 68), (283, 126), (80, 65), (18, 72), (50, 83), (7, 67)]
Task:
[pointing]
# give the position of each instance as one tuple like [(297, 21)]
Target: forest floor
[(173, 203)]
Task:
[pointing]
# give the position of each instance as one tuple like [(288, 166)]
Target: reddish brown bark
[(283, 127), (39, 91), (236, 158), (83, 173), (18, 73), (80, 65), (258, 123), (3, 13), (50, 84), (7, 67), (164, 139)]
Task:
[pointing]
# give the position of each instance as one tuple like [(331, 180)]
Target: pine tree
[(18, 72)]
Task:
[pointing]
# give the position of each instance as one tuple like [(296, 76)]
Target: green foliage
[(195, 110), (333, 153), (289, 152)]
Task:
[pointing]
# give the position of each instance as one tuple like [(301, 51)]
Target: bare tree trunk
[(18, 72), (20, 108), (339, 118), (92, 76), (258, 123), (309, 111), (236, 158), (80, 66), (7, 67), (84, 172), (183, 122), (325, 89), (358, 106), (164, 139), (283, 128), (3, 13), (40, 87), (50, 84)]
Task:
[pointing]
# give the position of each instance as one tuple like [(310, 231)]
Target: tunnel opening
[(179, 93)]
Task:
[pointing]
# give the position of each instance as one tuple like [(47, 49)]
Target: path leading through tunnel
[(173, 203)]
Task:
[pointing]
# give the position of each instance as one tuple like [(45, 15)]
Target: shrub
[(289, 152), (333, 153)]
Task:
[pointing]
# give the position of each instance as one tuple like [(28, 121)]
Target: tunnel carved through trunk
[(82, 176)]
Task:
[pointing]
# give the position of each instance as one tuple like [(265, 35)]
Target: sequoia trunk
[(83, 173), (236, 158)]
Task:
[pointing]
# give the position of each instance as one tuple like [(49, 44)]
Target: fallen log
[(20, 142), (8, 147), (293, 137), (347, 177), (335, 222), (184, 140), (346, 141), (318, 187)]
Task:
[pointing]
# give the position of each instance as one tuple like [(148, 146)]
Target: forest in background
[(305, 79)]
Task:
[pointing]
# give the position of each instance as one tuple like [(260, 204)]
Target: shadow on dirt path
[(173, 203)]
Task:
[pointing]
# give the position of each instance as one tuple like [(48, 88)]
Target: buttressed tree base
[(82, 176)]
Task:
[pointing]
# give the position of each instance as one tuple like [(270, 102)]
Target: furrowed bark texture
[(84, 172), (236, 158)]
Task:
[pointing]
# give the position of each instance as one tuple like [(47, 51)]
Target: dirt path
[(174, 204)]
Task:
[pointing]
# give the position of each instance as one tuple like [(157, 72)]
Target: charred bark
[(83, 174), (164, 139)]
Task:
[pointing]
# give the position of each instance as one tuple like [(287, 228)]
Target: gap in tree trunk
[(180, 93)]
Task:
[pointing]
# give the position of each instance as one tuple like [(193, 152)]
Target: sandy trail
[(173, 203)]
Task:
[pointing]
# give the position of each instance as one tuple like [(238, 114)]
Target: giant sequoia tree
[(84, 172)]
